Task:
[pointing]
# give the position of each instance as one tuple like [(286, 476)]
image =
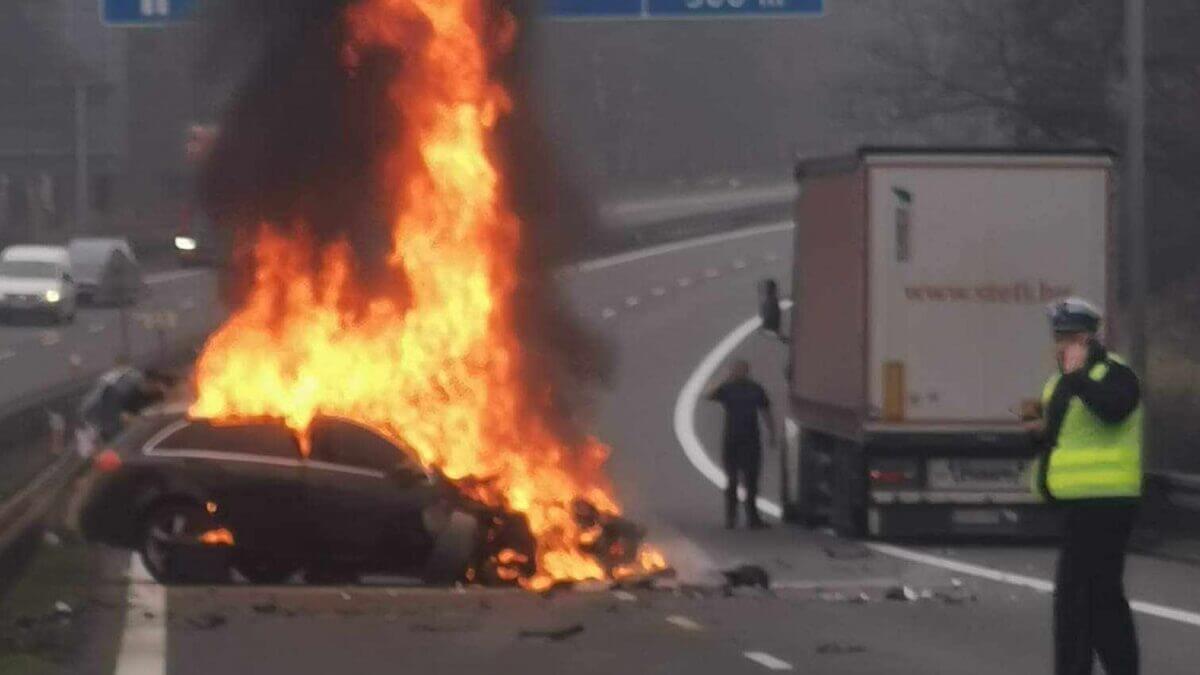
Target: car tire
[(454, 550), (171, 550), (263, 569)]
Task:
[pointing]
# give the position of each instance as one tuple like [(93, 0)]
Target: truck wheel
[(456, 548)]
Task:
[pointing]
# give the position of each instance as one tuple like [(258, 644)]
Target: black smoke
[(303, 139)]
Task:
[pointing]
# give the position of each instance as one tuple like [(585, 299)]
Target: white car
[(37, 280)]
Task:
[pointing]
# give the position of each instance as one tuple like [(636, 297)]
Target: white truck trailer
[(919, 329)]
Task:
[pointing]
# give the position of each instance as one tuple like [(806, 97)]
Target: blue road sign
[(146, 12), (596, 9), (680, 9)]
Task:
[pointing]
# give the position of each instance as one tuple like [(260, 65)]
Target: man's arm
[(1112, 398), (768, 416), (715, 391)]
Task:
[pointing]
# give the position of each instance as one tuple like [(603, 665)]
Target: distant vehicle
[(199, 244), (37, 280), (197, 498), (106, 271), (919, 330)]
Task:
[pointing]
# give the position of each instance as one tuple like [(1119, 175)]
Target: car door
[(366, 495), (251, 475)]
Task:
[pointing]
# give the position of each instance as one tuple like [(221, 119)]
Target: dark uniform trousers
[(743, 464), (1091, 613)]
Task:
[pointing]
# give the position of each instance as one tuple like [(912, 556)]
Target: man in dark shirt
[(741, 448)]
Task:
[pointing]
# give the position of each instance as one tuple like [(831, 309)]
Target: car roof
[(148, 426), (36, 253)]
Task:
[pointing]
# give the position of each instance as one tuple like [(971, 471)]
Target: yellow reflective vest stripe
[(1093, 458)]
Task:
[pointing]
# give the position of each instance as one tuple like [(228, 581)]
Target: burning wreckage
[(429, 334)]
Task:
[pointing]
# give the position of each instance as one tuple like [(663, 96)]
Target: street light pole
[(1135, 182)]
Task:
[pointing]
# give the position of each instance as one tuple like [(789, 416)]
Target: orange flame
[(441, 369)]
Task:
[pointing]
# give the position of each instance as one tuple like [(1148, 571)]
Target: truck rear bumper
[(902, 521)]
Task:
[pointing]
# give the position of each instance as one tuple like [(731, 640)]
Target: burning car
[(198, 498)]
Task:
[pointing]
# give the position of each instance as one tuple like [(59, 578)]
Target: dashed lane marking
[(712, 273), (684, 622), (739, 264), (767, 661), (684, 282), (608, 313), (658, 291), (693, 449), (633, 301)]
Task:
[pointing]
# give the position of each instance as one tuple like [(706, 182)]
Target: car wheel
[(321, 574), (264, 569), (456, 547), (171, 549)]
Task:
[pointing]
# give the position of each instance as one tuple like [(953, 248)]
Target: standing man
[(1092, 468), (741, 449)]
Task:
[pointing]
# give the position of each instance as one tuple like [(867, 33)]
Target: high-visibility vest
[(1093, 458)]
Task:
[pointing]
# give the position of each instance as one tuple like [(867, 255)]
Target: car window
[(341, 442), (260, 439), (29, 269)]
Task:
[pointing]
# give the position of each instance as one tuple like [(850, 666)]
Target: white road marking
[(625, 596), (712, 273), (633, 301), (683, 622), (658, 291), (95, 328), (144, 642), (739, 264), (174, 275), (608, 313), (50, 338), (7, 354), (767, 661), (771, 257), (684, 282), (693, 449), (601, 263)]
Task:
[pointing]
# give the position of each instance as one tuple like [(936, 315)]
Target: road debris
[(746, 576), (554, 635), (269, 607), (209, 621), (62, 609), (902, 593)]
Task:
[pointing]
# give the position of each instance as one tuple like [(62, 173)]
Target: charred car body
[(198, 498)]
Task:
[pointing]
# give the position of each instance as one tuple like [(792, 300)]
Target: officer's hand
[(1074, 358)]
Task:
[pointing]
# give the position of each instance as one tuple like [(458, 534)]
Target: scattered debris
[(625, 596), (345, 595), (751, 576), (51, 539), (62, 609), (902, 593), (269, 607), (556, 635), (207, 621), (838, 648)]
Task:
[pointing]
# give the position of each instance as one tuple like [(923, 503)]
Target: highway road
[(36, 358), (675, 314)]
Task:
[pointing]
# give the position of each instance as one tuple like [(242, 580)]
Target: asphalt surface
[(664, 311)]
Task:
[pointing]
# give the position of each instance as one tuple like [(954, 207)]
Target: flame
[(440, 369), (217, 537)]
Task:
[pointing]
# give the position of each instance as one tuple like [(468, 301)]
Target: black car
[(198, 498)]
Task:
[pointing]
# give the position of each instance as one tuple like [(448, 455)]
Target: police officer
[(1091, 432)]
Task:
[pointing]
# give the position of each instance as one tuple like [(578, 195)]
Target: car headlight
[(185, 243), (53, 296)]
